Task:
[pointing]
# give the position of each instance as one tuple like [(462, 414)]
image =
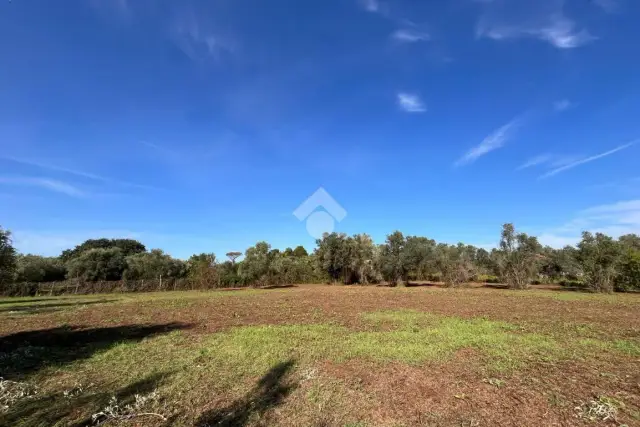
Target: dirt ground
[(312, 355)]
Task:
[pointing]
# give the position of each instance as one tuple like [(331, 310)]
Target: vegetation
[(599, 263)]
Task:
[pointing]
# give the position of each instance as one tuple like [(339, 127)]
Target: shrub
[(98, 264)]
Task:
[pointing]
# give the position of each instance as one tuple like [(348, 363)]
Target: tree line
[(598, 262)]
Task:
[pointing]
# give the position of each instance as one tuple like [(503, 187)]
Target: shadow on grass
[(269, 392), (27, 352), (74, 410), (21, 300), (48, 308)]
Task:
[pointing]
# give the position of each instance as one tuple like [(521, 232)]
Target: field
[(322, 356)]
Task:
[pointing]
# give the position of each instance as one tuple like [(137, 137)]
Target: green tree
[(202, 270), (628, 277), (97, 264), (233, 256), (332, 255), (7, 257), (127, 246), (598, 255), (300, 252), (153, 265), (518, 257), (420, 257), (455, 262), (35, 268), (256, 267), (393, 263)]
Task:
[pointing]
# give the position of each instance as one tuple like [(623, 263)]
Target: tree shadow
[(20, 300), (27, 352), (57, 408), (269, 392), (49, 308)]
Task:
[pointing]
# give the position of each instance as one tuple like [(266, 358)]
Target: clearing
[(320, 355)]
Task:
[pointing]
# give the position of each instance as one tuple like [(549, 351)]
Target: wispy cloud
[(198, 39), (492, 142), (46, 183), (55, 168), (562, 105), (372, 6), (586, 160), (615, 219), (551, 160), (408, 35), (544, 20), (411, 103), (609, 6)]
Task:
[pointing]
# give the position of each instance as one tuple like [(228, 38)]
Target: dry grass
[(325, 356)]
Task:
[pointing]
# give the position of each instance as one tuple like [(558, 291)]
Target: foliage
[(202, 270), (393, 261), (628, 277), (598, 256), (456, 263), (518, 257), (153, 265), (7, 257), (97, 264), (35, 268), (127, 246)]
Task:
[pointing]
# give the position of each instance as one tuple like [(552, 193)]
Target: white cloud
[(55, 168), (199, 41), (586, 160), (609, 6), (46, 183), (411, 103), (410, 36), (552, 160), (372, 6), (535, 161), (543, 20), (614, 219), (562, 105), (495, 140)]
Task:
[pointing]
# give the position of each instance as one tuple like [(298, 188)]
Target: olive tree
[(393, 262), (36, 268), (598, 256), (153, 265), (97, 264), (518, 257)]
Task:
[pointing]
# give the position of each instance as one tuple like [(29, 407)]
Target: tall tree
[(598, 256), (392, 258), (233, 256), (127, 246), (519, 256), (7, 257)]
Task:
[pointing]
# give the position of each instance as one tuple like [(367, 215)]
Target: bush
[(97, 264), (628, 278), (35, 268), (486, 278)]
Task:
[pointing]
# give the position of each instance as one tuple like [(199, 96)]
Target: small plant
[(116, 411), (13, 391), (601, 409)]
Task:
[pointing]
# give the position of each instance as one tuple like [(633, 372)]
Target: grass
[(228, 362)]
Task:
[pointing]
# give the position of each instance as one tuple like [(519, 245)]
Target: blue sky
[(202, 125)]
